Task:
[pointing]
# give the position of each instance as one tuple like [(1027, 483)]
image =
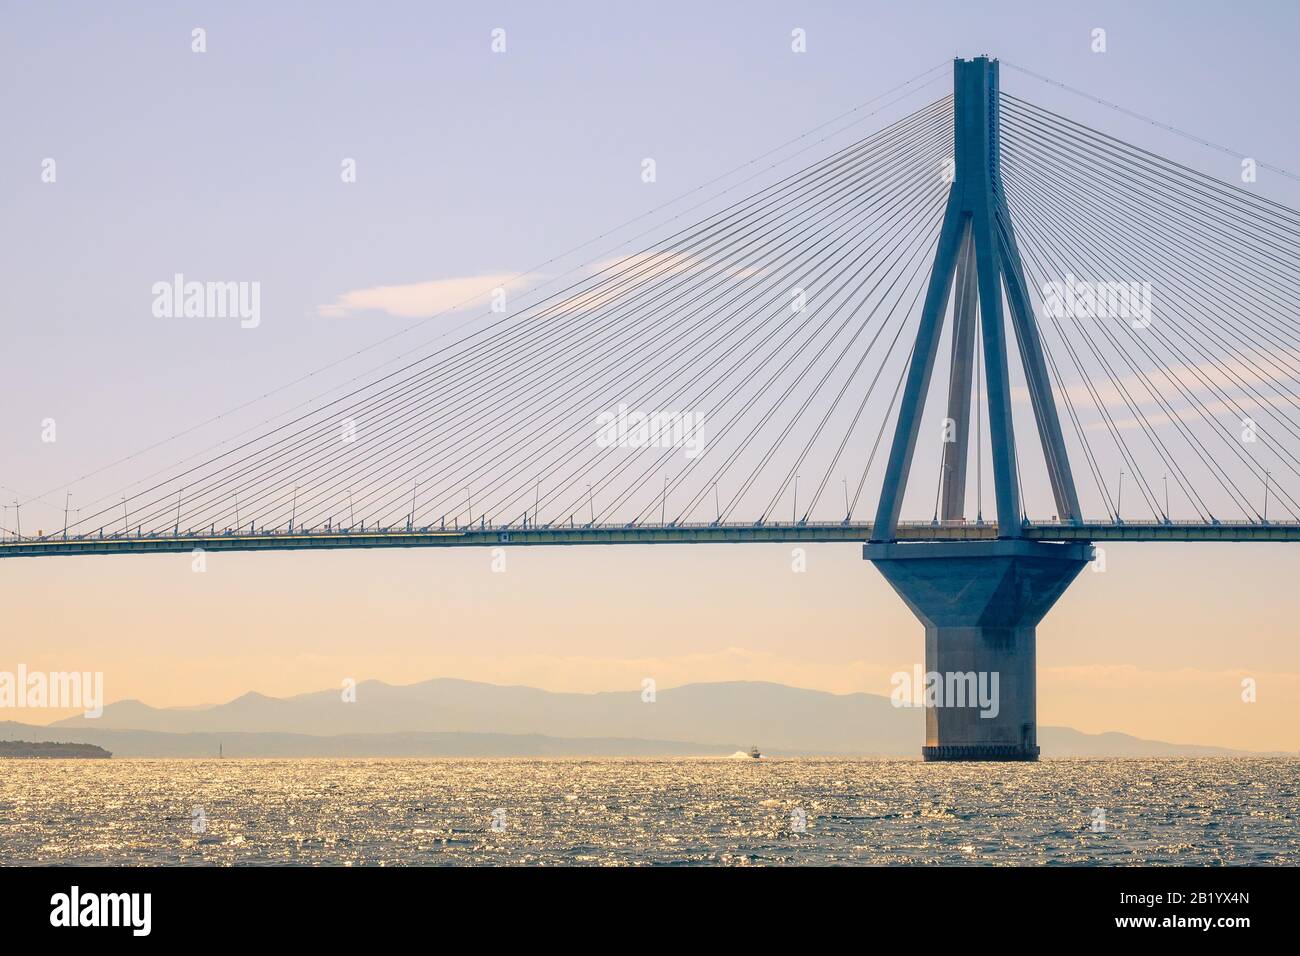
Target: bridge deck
[(493, 536)]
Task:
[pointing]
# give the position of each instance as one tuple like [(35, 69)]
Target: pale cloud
[(420, 299), (628, 275), (1228, 415), (1250, 388)]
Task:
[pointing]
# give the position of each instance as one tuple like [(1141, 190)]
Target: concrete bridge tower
[(980, 601)]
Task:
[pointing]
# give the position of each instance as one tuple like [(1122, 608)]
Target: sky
[(472, 169)]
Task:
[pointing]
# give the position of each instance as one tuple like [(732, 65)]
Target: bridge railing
[(360, 529), (490, 534)]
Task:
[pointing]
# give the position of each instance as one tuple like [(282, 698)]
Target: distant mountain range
[(152, 743), (447, 717)]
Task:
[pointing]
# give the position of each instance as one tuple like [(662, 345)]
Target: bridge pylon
[(980, 601)]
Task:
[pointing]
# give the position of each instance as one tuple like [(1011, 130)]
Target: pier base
[(980, 602)]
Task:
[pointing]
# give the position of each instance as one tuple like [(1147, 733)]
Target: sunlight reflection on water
[(680, 812)]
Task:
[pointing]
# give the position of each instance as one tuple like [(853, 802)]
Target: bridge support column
[(980, 602)]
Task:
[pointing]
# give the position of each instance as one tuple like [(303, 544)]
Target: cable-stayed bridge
[(494, 535), (765, 375)]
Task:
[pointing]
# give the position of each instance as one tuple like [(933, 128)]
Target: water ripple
[(635, 812)]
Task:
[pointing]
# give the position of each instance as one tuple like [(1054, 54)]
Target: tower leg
[(960, 379), (980, 602)]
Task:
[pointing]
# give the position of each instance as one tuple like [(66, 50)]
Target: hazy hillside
[(772, 715), (152, 743), (447, 717)]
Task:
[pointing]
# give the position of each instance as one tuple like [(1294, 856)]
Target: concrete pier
[(980, 602)]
